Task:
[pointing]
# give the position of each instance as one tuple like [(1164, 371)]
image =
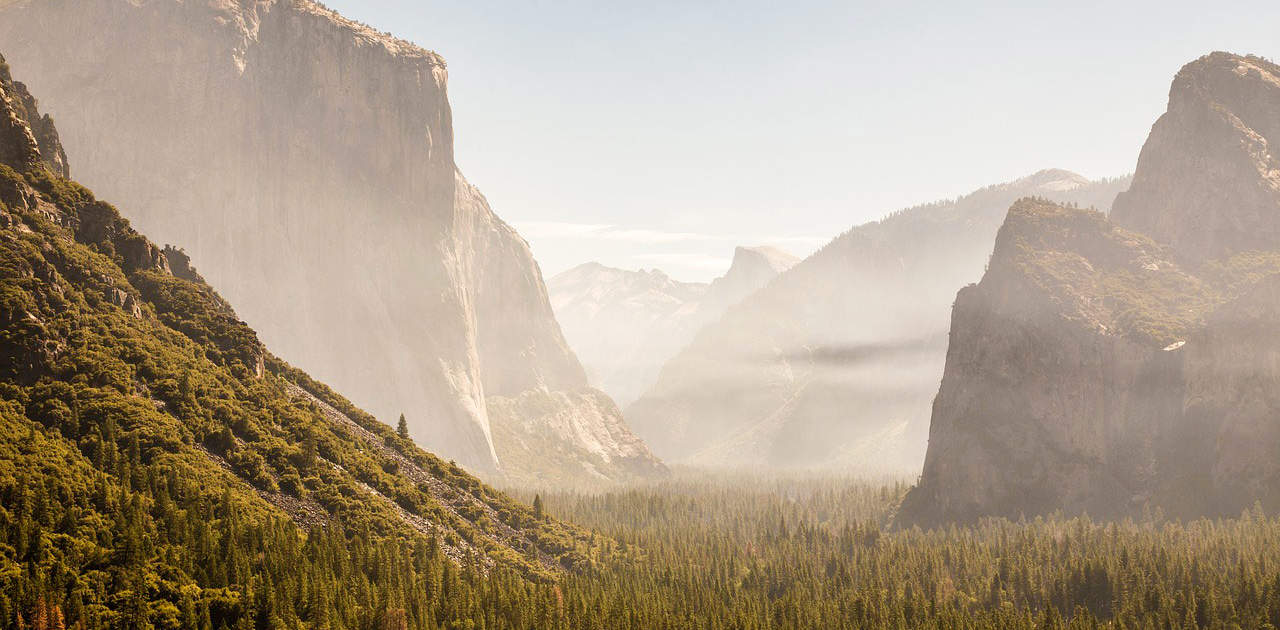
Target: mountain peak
[(752, 268), (1055, 180), (248, 17), (1208, 178), (626, 324), (1198, 79), (767, 255)]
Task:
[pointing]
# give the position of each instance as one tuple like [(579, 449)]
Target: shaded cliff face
[(835, 362), (1061, 371), (1233, 396), (307, 162), (1098, 369), (1216, 143), (625, 325)]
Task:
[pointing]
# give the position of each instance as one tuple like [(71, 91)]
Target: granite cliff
[(1208, 177), (307, 162), (833, 363), (1097, 368), (556, 439), (625, 325)]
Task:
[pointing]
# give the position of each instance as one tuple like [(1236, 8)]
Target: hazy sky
[(661, 134)]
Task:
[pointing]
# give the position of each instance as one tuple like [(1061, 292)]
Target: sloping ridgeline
[(306, 161), (160, 468)]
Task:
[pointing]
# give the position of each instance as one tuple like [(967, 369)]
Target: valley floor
[(723, 551)]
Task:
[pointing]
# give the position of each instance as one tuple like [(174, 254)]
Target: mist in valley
[(736, 320)]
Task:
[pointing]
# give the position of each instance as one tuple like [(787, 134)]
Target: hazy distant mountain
[(624, 325), (307, 162), (1109, 365), (836, 361)]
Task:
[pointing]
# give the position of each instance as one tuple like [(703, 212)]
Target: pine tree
[(402, 427), (537, 507)]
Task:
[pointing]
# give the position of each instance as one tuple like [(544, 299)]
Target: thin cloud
[(688, 261), (606, 232)]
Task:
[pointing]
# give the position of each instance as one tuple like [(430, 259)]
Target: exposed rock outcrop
[(835, 362), (751, 269), (43, 130), (306, 162), (1216, 143), (625, 325), (1095, 369), (518, 341), (567, 439), (19, 147)]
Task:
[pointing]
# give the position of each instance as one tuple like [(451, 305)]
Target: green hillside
[(159, 467), (1103, 275)]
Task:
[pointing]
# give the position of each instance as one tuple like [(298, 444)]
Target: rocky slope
[(122, 370), (307, 162), (835, 362), (1098, 369), (625, 325), (28, 138), (578, 440)]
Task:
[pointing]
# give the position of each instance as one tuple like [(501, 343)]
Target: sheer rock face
[(306, 164), (1217, 142), (1233, 389), (625, 325), (520, 344), (548, 427), (1096, 369), (1051, 394), (752, 268), (834, 363)]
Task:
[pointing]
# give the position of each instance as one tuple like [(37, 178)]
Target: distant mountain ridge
[(307, 162), (835, 362), (1099, 368), (624, 325)]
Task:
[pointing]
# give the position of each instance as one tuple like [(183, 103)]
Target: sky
[(661, 134)]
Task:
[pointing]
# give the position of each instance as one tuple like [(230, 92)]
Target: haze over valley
[(738, 353)]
